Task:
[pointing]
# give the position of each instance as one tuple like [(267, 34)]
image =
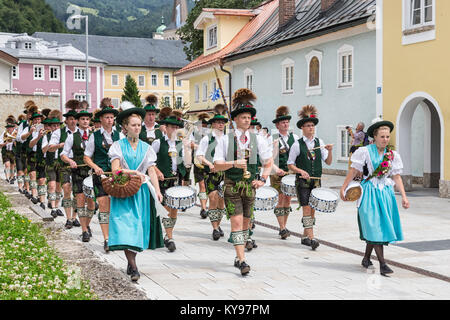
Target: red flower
[(118, 172), (248, 106), (385, 164), (380, 173), (312, 116)]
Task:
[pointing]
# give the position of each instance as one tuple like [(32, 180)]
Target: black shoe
[(11, 181), (76, 223), (183, 210), (129, 270), (366, 263), (245, 268), (49, 205), (384, 269), (96, 206), (28, 195), (216, 234), (170, 244), (237, 263), (254, 244), (21, 191), (203, 214), (89, 231), (253, 225), (105, 246), (59, 213), (85, 236), (221, 231), (306, 241), (42, 206), (53, 214), (135, 275), (284, 234), (314, 244), (69, 224), (249, 245)]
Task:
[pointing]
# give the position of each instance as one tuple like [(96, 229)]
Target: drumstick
[(78, 166), (321, 147)]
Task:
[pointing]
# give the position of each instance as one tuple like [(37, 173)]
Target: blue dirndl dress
[(133, 222), (378, 214)]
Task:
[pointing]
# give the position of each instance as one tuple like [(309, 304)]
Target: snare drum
[(180, 197), (88, 187), (323, 200), (266, 198), (288, 185)]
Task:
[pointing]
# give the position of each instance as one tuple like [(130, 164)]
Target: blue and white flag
[(215, 95)]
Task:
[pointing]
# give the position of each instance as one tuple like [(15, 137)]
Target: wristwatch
[(262, 179)]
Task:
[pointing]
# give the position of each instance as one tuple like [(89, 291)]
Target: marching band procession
[(132, 168)]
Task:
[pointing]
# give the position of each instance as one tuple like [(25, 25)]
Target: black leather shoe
[(85, 237), (170, 244), (11, 181), (69, 224), (28, 195), (254, 244), (221, 231), (284, 234), (135, 275), (314, 244), (105, 246), (49, 205), (42, 206), (216, 234), (34, 200), (21, 191), (244, 267), (366, 263), (306, 241), (203, 214), (89, 231), (53, 214), (59, 213), (76, 223), (253, 225), (384, 269), (237, 263), (249, 245)]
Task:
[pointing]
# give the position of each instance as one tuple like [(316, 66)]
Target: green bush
[(29, 268)]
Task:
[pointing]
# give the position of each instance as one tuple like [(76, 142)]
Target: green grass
[(29, 268)]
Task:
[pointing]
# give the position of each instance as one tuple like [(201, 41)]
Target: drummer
[(240, 178), (282, 143), (96, 157), (73, 154), (170, 169), (205, 154), (306, 161)]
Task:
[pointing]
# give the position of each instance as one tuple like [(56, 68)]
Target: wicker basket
[(353, 191), (122, 191)]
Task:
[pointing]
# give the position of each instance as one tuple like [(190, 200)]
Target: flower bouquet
[(385, 165), (121, 185)]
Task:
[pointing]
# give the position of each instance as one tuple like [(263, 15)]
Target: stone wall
[(14, 104), (444, 189)]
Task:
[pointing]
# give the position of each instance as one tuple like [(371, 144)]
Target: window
[(54, 73), (288, 75), (141, 81), (15, 72), (418, 21), (115, 102), (166, 80), (79, 74), (248, 75), (314, 74), (166, 101), (28, 45), (82, 97), (205, 91), (212, 37), (38, 73), (154, 79), (197, 93), (344, 140), (345, 63), (179, 102), (114, 80), (179, 83)]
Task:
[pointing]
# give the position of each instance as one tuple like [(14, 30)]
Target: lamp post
[(79, 16)]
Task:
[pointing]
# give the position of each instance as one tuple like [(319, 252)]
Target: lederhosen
[(65, 173), (311, 162), (20, 150), (212, 180), (101, 159), (239, 193), (52, 166), (79, 174), (8, 155), (143, 135), (40, 161), (30, 155), (199, 174), (281, 160), (164, 164)]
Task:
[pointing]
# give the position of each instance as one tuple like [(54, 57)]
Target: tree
[(192, 38), (131, 92)]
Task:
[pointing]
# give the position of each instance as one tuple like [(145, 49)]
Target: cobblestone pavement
[(202, 269)]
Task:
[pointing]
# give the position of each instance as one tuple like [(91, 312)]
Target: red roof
[(243, 35)]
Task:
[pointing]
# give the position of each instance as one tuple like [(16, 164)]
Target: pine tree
[(131, 92)]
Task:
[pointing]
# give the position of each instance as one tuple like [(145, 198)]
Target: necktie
[(85, 136), (243, 138)]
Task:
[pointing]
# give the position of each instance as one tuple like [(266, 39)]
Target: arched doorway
[(420, 140)]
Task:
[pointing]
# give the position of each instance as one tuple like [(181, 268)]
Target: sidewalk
[(201, 268)]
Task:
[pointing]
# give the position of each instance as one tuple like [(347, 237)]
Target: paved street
[(201, 268)]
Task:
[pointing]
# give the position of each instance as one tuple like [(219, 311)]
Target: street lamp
[(79, 16)]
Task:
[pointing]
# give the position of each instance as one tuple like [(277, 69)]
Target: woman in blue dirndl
[(134, 223), (378, 214)]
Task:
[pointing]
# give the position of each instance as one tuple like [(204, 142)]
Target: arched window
[(314, 78), (314, 72)]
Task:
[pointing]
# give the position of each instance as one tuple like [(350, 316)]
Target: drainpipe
[(229, 81)]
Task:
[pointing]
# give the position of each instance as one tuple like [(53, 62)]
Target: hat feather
[(176, 113), (203, 116), (29, 103), (106, 102), (165, 112), (282, 111), (55, 114), (152, 99), (21, 117), (95, 112), (219, 109), (11, 119), (46, 111), (125, 105), (243, 95), (32, 109), (72, 104), (307, 111)]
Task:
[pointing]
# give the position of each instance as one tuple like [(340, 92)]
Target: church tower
[(179, 16)]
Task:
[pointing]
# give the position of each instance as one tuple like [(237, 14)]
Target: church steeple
[(179, 13)]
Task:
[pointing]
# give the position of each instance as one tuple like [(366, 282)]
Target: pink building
[(54, 69)]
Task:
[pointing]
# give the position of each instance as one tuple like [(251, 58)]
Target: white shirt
[(172, 148), (264, 151), (44, 144), (203, 146), (284, 138), (150, 131), (56, 135), (295, 150), (149, 160), (90, 145), (68, 145), (19, 133), (8, 146)]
